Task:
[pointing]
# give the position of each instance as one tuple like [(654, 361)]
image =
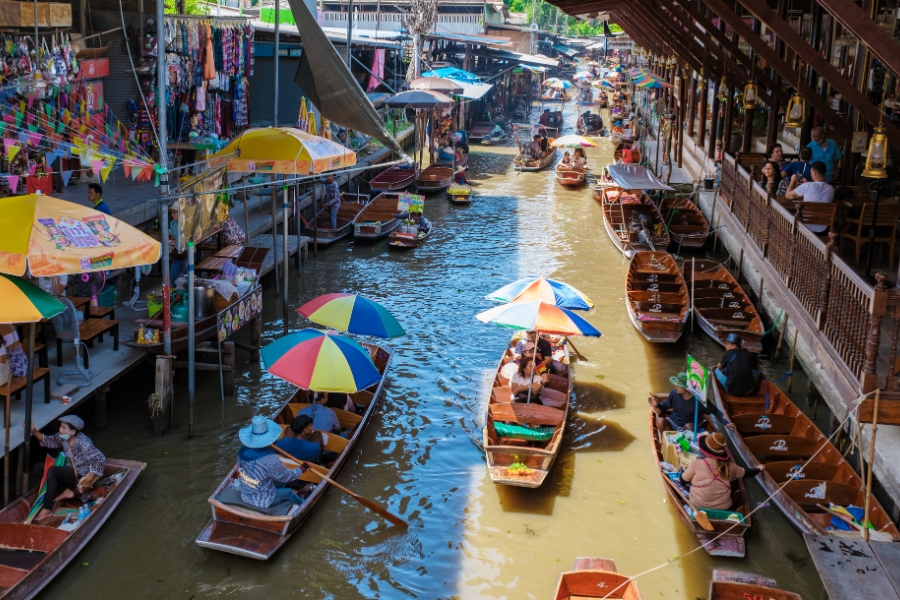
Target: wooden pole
[(791, 364), (781, 337), (865, 522), (192, 315), (693, 279), (740, 266), (6, 441), (274, 242)]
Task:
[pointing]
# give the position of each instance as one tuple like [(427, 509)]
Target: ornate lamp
[(686, 72), (701, 84), (751, 91), (722, 93), (876, 158), (796, 108)]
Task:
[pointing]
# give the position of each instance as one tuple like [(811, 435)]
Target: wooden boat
[(32, 555), (731, 542), (563, 97), (632, 221), (570, 177), (519, 462), (480, 130), (324, 235), (434, 179), (238, 529), (721, 304), (536, 165), (492, 139), (587, 130), (733, 585), (772, 430), (404, 241), (378, 219), (460, 194), (656, 296), (635, 152), (687, 225), (595, 578), (395, 179)]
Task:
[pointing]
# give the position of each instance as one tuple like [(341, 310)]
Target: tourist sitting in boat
[(544, 347), (332, 199), (566, 163), (461, 177), (527, 374), (738, 369), (343, 401), (545, 117), (710, 476), (579, 159), (323, 417), (554, 95), (263, 476), (84, 463), (676, 412), (298, 442), (532, 150)]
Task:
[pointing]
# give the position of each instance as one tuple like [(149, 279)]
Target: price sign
[(411, 203), (698, 378)]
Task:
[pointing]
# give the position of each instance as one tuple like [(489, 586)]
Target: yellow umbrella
[(55, 237), (311, 124), (283, 150)]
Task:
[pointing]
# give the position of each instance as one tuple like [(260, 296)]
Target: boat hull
[(537, 165), (394, 179), (571, 178)]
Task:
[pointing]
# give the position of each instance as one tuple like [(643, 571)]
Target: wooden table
[(213, 263)]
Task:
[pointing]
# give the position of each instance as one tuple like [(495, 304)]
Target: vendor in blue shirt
[(799, 168), (824, 150), (298, 440), (676, 412)]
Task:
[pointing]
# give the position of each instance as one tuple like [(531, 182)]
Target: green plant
[(191, 7)]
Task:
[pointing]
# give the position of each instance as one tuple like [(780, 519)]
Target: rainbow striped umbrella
[(538, 316), (314, 360), (353, 314), (42, 491), (539, 289), (24, 302)]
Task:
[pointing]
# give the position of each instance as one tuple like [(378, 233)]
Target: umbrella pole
[(274, 241), (192, 312), (246, 218), (6, 442), (693, 279), (284, 239), (29, 399)]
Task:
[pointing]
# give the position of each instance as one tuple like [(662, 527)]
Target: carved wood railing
[(847, 310)]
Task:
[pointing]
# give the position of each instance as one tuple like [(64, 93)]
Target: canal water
[(421, 455)]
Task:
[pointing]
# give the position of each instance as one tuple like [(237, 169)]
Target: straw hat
[(680, 380), (260, 433), (713, 445)]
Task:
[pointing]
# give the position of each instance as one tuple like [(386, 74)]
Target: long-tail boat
[(395, 179), (324, 235), (536, 165), (656, 296), (434, 179), (521, 440), (460, 194), (632, 221), (378, 219), (570, 177), (772, 431), (635, 151), (31, 555), (687, 225), (737, 585), (730, 533), (595, 578), (480, 130), (238, 529), (721, 305)]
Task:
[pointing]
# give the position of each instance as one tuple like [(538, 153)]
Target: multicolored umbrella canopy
[(562, 85), (540, 289), (573, 141), (283, 150), (551, 81), (538, 316), (56, 237), (583, 75), (24, 302), (651, 84), (604, 83), (314, 360), (353, 314)]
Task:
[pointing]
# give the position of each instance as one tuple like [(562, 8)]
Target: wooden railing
[(846, 309)]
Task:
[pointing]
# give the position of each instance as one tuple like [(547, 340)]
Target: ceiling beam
[(686, 48), (824, 68), (872, 36), (743, 30)]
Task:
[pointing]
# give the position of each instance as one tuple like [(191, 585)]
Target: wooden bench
[(334, 443), (40, 350), (89, 330), (347, 420), (100, 312), (19, 384)]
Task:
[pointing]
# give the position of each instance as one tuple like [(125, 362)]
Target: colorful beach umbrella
[(283, 150), (314, 360), (562, 85), (540, 289), (60, 461), (24, 302), (573, 141), (583, 75), (551, 81), (55, 237), (604, 83), (538, 316), (353, 314)]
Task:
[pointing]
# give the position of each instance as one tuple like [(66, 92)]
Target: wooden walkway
[(854, 570)]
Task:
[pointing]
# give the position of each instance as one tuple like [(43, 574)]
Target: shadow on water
[(593, 396), (491, 163)]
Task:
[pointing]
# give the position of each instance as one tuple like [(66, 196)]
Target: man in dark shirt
[(676, 412), (95, 195), (738, 369)]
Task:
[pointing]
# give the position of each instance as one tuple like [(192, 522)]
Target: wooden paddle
[(577, 353), (376, 508), (698, 515), (878, 536)]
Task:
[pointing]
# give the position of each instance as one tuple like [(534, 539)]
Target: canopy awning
[(570, 52), (473, 91), (635, 177)]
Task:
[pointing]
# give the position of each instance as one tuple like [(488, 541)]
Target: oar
[(700, 516), (376, 508), (879, 536), (577, 353)]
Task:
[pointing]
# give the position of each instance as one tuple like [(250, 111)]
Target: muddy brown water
[(421, 454)]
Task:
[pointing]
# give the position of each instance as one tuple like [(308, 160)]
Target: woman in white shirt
[(519, 382)]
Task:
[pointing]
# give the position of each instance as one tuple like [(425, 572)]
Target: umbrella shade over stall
[(353, 314), (436, 84), (419, 99), (573, 141), (603, 83), (314, 360), (454, 73), (562, 85), (550, 81), (283, 150), (538, 316), (531, 289), (55, 237), (24, 302)]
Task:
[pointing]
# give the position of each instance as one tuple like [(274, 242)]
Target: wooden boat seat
[(656, 277), (33, 538), (781, 470), (660, 309), (649, 286), (763, 423), (334, 443), (661, 297), (10, 576), (526, 414), (809, 492), (726, 303), (781, 446), (348, 420)]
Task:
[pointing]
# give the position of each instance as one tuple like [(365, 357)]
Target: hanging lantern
[(876, 159), (722, 87), (796, 108), (701, 84), (686, 72), (751, 96)]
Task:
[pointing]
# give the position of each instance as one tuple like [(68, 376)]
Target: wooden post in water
[(740, 266), (791, 364), (865, 522), (781, 338)]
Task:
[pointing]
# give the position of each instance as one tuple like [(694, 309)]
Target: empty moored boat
[(595, 578), (656, 296), (732, 585), (687, 226), (378, 219)]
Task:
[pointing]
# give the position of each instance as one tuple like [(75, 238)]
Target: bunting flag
[(60, 127), (36, 139), (19, 117), (29, 118), (52, 157), (66, 176), (13, 181), (104, 173), (31, 127), (126, 168), (30, 100), (135, 173), (2, 127), (23, 139), (21, 106), (11, 152)]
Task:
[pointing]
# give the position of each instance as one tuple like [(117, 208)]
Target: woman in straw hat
[(262, 474), (711, 475), (676, 412)]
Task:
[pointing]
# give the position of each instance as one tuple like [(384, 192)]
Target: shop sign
[(94, 68), (240, 312)]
